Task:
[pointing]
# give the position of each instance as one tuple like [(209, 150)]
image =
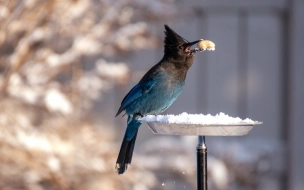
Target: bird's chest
[(160, 97), (164, 95), (173, 87), (168, 86)]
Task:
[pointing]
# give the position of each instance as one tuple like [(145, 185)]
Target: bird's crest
[(172, 39)]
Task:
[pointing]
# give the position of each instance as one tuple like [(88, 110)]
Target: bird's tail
[(127, 147)]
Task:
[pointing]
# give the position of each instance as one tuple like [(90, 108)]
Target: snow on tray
[(208, 119)]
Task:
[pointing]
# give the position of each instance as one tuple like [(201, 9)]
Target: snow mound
[(185, 118)]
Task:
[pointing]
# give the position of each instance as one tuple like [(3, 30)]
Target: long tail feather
[(125, 155), (127, 146)]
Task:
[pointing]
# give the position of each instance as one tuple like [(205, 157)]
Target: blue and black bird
[(156, 91)]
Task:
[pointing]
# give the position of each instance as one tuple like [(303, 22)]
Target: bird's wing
[(135, 93)]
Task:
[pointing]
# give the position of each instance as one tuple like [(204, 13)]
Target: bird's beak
[(188, 45), (193, 43)]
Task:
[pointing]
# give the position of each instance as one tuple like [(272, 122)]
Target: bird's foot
[(137, 116)]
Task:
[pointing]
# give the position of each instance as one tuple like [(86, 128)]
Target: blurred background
[(66, 65)]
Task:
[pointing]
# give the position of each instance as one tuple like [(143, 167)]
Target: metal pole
[(201, 164)]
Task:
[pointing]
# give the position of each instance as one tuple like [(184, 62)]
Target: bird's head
[(176, 46)]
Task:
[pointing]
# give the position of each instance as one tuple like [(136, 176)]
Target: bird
[(156, 91)]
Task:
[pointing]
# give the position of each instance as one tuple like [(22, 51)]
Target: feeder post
[(201, 164)]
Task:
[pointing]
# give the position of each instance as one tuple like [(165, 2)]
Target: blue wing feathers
[(135, 93)]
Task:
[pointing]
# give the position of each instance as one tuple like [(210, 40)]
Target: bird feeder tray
[(199, 124), (201, 129)]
